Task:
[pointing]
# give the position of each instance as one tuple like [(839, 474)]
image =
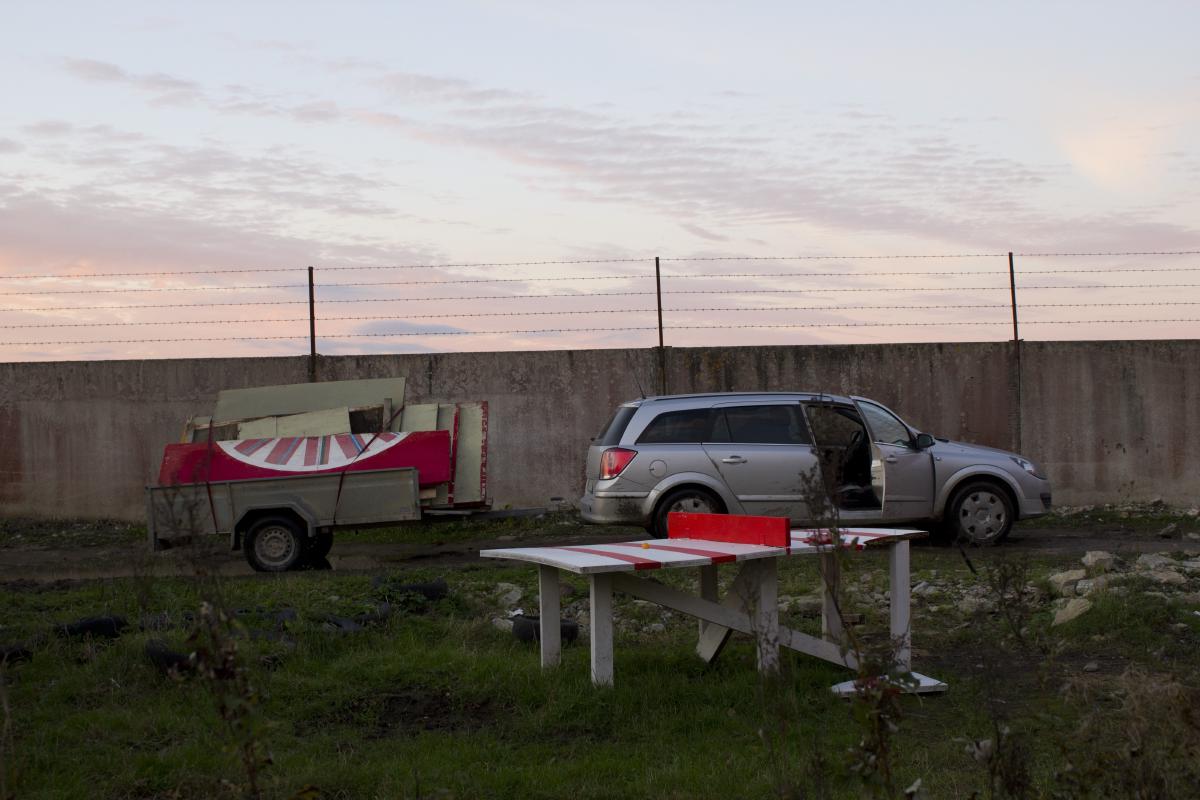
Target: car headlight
[(1030, 467)]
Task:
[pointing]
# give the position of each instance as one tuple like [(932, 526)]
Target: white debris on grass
[(508, 595), (1074, 608), (1097, 561), (1152, 561), (1064, 582)]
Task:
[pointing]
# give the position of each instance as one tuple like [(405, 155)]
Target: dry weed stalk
[(6, 738), (219, 665), (879, 681)]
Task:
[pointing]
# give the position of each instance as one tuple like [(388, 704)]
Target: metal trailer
[(280, 523)]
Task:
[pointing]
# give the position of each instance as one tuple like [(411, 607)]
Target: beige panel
[(468, 467), (419, 417), (328, 422), (445, 422), (265, 428), (297, 398)]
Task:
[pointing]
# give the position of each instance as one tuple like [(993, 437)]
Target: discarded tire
[(107, 627), (167, 660), (529, 629), (431, 590), (14, 654)]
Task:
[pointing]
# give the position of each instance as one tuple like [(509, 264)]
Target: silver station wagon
[(808, 457)]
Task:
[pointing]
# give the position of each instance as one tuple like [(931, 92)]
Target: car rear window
[(680, 427), (776, 424), (610, 434)]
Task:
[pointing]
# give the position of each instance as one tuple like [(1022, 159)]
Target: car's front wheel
[(691, 500), (980, 513)]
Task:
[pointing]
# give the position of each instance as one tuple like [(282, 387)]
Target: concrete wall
[(1112, 421)]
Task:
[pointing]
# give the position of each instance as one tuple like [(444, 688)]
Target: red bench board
[(767, 531)]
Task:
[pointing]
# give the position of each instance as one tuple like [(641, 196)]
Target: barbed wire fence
[(631, 302)]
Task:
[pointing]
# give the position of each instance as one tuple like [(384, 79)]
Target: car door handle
[(733, 460), (891, 459)]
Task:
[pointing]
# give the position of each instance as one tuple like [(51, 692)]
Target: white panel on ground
[(924, 685)]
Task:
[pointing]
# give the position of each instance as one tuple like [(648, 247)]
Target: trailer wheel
[(274, 544)]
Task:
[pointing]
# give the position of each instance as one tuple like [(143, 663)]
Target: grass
[(1133, 517), (51, 534), (433, 530), (437, 702)]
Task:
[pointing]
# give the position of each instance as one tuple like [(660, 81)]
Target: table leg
[(901, 627), (830, 572), (550, 613), (708, 589), (602, 629), (767, 615)]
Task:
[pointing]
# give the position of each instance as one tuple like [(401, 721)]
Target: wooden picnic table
[(751, 605)]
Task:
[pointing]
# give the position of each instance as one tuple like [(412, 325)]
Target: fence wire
[(749, 299)]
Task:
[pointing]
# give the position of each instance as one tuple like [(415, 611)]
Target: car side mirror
[(924, 441)]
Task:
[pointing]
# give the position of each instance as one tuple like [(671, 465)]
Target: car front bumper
[(1036, 498)]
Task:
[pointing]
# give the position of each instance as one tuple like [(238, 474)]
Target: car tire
[(274, 544), (690, 499), (980, 513)]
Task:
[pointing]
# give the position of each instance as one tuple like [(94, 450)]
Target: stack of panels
[(467, 425), (300, 427)]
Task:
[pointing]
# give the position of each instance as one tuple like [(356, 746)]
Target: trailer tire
[(274, 544)]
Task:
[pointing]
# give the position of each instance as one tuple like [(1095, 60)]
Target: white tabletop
[(646, 554)]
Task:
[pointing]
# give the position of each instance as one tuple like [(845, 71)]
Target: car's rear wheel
[(689, 499), (980, 513)]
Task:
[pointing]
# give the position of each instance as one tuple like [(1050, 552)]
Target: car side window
[(886, 428), (766, 424), (681, 427), (833, 425)]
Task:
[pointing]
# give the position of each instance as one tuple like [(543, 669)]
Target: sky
[(771, 154)]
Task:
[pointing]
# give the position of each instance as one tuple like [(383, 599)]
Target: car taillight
[(614, 460)]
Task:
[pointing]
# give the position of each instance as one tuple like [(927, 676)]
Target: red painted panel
[(637, 561), (428, 451), (768, 531), (715, 556)]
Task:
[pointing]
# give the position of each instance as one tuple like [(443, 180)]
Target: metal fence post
[(662, 353), (1012, 289), (312, 329)]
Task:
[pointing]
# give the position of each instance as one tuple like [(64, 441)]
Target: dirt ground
[(61, 560)]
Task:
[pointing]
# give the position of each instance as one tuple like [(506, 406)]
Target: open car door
[(901, 472)]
